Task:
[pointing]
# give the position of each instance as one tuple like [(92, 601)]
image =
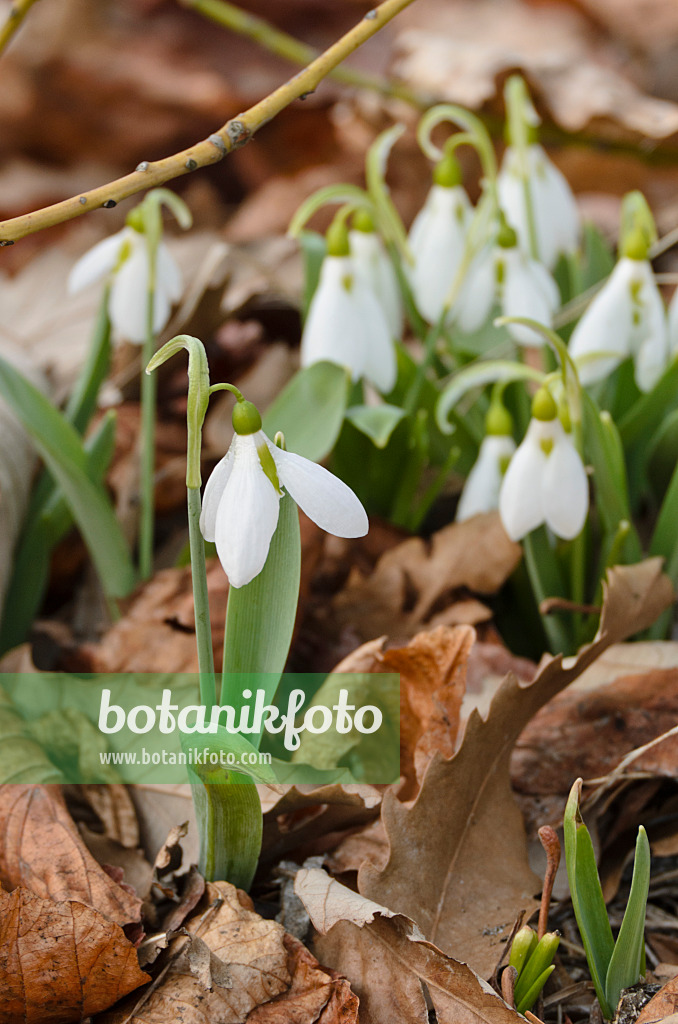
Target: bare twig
[(236, 132), (282, 44), (17, 13)]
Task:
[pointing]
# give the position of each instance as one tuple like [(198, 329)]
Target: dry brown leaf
[(41, 850), (662, 1006), (413, 584), (588, 734), (303, 818), (388, 962), (456, 50), (60, 962), (464, 839), (315, 994), (432, 671), (230, 962)]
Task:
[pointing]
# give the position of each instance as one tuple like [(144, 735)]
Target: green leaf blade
[(310, 410), (627, 957)]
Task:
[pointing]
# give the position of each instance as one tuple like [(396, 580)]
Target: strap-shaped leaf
[(310, 410), (376, 421), (626, 963), (260, 616), (62, 452), (587, 896)]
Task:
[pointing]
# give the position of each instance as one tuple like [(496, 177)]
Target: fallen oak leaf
[(41, 850), (464, 839), (389, 962), (229, 961), (60, 962)]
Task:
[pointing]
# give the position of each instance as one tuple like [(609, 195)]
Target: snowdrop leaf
[(477, 375), (649, 411), (376, 421), (598, 262), (310, 410), (587, 897), (260, 616), (626, 964), (61, 449), (314, 249), (42, 531), (606, 454), (83, 399)]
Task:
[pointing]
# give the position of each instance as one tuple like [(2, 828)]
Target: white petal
[(481, 490), (606, 326), (168, 276), (101, 259), (520, 497), (673, 323), (373, 265), (346, 325), (437, 239), (649, 333), (525, 294), (325, 499), (129, 296), (247, 515), (557, 214), (214, 489), (478, 292), (329, 332), (565, 489)]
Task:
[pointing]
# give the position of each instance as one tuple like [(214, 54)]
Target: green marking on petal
[(347, 282), (546, 445), (268, 465)]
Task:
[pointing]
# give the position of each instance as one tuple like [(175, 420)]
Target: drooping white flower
[(673, 324), (626, 318), (241, 502), (481, 490), (556, 218), (373, 266), (522, 287), (544, 483), (437, 240), (347, 325), (125, 258)]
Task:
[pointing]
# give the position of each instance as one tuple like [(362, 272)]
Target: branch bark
[(233, 134)]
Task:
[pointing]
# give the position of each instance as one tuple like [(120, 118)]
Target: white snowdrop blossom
[(124, 258), (544, 483), (556, 218), (626, 318), (673, 324), (241, 502), (347, 325), (373, 266), (481, 490), (437, 241), (521, 287)]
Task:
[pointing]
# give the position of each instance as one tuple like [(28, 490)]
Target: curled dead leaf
[(390, 964), (60, 962), (41, 850), (465, 827)]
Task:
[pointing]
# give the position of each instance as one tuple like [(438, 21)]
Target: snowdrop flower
[(373, 266), (437, 239), (481, 490), (522, 287), (673, 324), (556, 218), (242, 496), (626, 318), (546, 480), (124, 258), (346, 323)]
